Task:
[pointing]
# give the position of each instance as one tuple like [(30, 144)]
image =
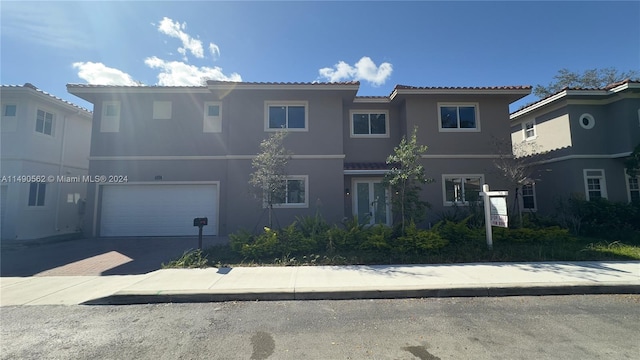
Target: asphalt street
[(554, 327)]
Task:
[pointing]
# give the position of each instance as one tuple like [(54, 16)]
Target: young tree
[(592, 78), (632, 163), (405, 178), (270, 171)]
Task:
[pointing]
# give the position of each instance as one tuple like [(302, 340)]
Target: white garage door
[(157, 210)]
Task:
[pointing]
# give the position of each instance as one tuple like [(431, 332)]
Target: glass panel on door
[(371, 205)]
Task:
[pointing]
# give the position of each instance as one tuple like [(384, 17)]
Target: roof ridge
[(35, 88)]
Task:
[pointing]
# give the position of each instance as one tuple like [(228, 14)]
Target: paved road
[(560, 327), (99, 256)]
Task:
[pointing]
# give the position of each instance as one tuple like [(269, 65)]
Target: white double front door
[(371, 202)]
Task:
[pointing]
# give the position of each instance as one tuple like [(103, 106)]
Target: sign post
[(495, 211)]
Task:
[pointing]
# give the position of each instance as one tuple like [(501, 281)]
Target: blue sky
[(381, 44)]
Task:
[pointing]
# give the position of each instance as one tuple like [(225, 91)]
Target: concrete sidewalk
[(326, 282)]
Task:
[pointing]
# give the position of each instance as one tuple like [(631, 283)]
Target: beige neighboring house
[(583, 137), (186, 152), (44, 153)]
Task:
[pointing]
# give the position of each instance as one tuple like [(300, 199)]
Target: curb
[(133, 298)]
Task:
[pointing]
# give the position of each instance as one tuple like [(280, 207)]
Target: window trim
[(603, 183), (287, 103), (534, 196), (458, 176), (304, 205), (206, 118), (533, 128), (475, 105), (627, 179), (39, 187), (53, 122), (368, 112), (159, 110), (113, 121), (4, 110)]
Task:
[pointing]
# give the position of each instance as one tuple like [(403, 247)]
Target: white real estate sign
[(499, 211)]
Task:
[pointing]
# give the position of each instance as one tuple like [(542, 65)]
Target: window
[(10, 110), (460, 189), (528, 197), (295, 193), (594, 183), (212, 117), (37, 193), (44, 122), (458, 117), (529, 129), (587, 121), (289, 115), (369, 124), (161, 110), (110, 121), (633, 185)]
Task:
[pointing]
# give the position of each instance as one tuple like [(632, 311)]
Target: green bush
[(599, 217), (417, 241), (189, 259), (457, 232), (529, 235)]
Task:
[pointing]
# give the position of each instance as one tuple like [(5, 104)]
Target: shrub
[(600, 217), (529, 235), (417, 241), (189, 259), (456, 232)]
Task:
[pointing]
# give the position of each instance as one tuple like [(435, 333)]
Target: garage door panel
[(157, 210)]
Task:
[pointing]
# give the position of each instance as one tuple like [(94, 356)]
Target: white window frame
[(602, 180), (4, 110), (533, 195), (305, 205), (44, 122), (9, 122), (465, 202), (458, 105), (369, 112), (628, 182), (40, 187), (212, 124), (162, 110), (110, 123), (533, 130), (268, 104)]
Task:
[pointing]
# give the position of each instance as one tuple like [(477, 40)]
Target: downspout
[(60, 168)]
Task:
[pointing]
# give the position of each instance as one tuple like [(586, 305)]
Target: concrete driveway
[(96, 256)]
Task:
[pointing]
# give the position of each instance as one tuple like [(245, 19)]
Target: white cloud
[(175, 73), (365, 69), (194, 46), (214, 49), (99, 74)]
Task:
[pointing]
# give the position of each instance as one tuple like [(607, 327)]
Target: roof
[(31, 87), (514, 92), (226, 85), (473, 88), (608, 90), (94, 86)]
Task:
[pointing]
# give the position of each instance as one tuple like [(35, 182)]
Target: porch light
[(346, 192)]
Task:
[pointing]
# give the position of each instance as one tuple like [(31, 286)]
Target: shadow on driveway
[(97, 256)]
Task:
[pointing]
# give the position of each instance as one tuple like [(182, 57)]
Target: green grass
[(580, 249)]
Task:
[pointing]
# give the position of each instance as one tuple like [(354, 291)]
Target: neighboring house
[(176, 153), (44, 153), (582, 138)]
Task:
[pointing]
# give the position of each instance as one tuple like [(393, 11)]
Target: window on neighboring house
[(595, 184), (633, 184), (461, 189), (528, 197), (44, 122), (37, 193), (162, 110), (458, 117), (529, 129), (110, 121), (369, 124), (10, 110), (9, 119), (212, 117), (295, 193), (289, 115)]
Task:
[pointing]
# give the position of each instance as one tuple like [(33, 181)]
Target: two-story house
[(176, 153), (44, 153), (581, 137)]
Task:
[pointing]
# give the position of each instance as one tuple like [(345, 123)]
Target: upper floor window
[(212, 117), (529, 129), (9, 110), (290, 115), (161, 110), (110, 121), (461, 189), (528, 197), (37, 193), (44, 122), (633, 185), (595, 184), (369, 123), (458, 117)]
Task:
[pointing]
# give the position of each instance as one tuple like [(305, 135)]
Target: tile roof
[(516, 87), (218, 82), (134, 86), (366, 166), (33, 87)]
